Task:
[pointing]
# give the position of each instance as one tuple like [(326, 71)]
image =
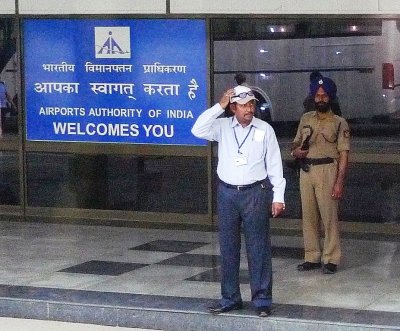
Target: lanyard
[(237, 141)]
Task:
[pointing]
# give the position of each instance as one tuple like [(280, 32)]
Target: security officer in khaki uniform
[(321, 147)]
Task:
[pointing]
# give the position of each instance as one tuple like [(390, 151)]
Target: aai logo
[(112, 42)]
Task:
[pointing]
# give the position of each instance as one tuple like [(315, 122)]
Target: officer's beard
[(322, 107)]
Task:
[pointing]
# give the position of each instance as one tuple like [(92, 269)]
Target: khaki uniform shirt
[(329, 136)]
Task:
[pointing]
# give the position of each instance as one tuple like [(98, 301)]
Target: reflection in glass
[(372, 193), (278, 55), (117, 182), (8, 78), (9, 179)]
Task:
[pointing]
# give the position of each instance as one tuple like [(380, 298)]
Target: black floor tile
[(192, 260), (170, 246), (103, 268), (214, 275), (288, 252)]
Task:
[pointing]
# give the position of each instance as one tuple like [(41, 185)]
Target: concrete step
[(177, 313)]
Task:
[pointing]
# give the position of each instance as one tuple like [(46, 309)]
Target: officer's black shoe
[(218, 308), (264, 311), (306, 266), (329, 268)]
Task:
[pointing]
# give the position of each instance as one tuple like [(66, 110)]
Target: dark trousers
[(248, 209)]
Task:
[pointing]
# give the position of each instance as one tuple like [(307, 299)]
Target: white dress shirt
[(251, 156)]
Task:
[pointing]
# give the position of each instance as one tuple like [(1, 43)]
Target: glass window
[(372, 193), (277, 56), (8, 78), (9, 160), (117, 182), (9, 179)]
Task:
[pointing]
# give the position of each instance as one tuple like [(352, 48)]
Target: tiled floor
[(119, 263)]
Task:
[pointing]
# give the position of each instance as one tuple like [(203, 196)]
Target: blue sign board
[(141, 81)]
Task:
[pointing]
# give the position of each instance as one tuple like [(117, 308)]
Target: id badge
[(240, 160)]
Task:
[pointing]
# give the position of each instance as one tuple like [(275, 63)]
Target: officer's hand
[(299, 153), (337, 191)]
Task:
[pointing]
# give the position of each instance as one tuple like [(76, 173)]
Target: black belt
[(242, 187), (324, 160)]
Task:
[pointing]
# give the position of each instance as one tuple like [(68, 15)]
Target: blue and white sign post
[(114, 81)]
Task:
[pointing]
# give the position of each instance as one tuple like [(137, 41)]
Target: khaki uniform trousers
[(318, 206)]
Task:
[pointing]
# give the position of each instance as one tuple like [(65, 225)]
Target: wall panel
[(359, 6), (92, 7), (202, 7), (389, 6), (285, 7), (7, 7), (310, 6), (229, 7)]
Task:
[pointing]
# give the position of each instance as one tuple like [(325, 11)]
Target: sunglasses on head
[(243, 95)]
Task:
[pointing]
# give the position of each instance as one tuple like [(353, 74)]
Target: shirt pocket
[(328, 134), (257, 149)]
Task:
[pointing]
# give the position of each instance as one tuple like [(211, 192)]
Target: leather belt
[(242, 187), (324, 160)]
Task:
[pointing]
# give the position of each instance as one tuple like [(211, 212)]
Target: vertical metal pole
[(210, 153)]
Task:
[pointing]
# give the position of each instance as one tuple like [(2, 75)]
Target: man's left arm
[(275, 174), (343, 146), (337, 191)]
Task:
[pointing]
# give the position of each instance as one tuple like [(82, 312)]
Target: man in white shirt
[(249, 162)]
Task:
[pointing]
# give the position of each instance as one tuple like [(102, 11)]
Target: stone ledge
[(177, 313)]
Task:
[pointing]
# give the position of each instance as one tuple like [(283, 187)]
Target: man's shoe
[(329, 268), (264, 311), (306, 266), (218, 309)]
